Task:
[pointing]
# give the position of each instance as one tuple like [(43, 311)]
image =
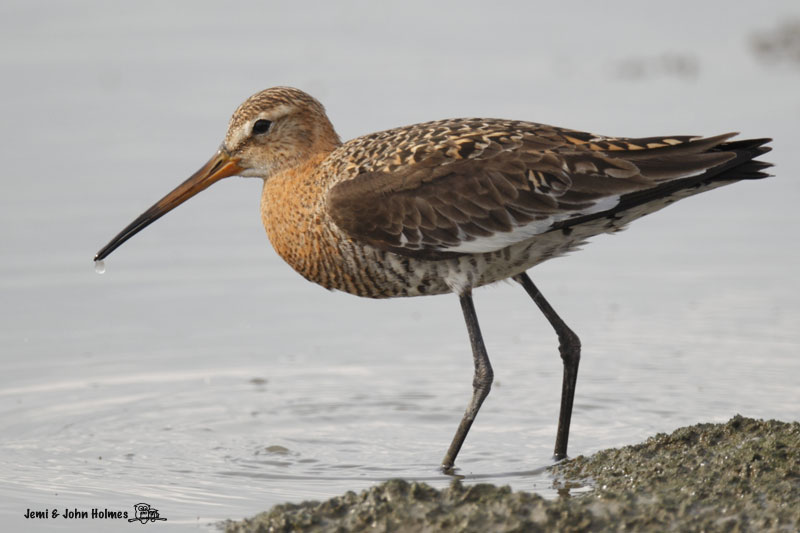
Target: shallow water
[(201, 375)]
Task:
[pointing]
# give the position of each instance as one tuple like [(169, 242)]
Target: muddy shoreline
[(743, 475)]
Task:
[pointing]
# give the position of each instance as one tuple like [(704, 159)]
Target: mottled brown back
[(445, 188)]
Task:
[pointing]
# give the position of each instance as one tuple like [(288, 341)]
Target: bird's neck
[(293, 214)]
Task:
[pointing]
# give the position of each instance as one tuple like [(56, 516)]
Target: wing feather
[(471, 187)]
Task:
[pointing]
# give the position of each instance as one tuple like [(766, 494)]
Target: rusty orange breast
[(293, 214)]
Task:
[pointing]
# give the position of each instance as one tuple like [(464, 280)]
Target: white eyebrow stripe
[(272, 114)]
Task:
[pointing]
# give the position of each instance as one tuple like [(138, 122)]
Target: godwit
[(450, 205)]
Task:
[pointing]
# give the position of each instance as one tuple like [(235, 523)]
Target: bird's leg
[(481, 380), (570, 347)]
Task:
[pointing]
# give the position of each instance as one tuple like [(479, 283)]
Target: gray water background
[(203, 376)]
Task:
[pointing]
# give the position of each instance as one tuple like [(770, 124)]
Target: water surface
[(201, 375)]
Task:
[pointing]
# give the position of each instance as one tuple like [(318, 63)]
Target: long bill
[(218, 167)]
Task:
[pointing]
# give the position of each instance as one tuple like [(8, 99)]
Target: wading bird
[(450, 205)]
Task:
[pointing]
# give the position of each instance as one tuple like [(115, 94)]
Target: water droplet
[(99, 267)]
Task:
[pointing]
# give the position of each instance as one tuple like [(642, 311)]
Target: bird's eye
[(261, 126)]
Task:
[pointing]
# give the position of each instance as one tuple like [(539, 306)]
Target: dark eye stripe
[(261, 126)]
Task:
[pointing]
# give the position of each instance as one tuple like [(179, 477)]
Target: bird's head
[(271, 132), (277, 129)]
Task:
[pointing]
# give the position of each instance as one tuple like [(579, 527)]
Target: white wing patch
[(498, 241)]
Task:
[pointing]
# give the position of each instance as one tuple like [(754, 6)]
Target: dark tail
[(743, 166)]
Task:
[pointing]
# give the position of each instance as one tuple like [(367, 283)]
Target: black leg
[(570, 347), (481, 380)]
